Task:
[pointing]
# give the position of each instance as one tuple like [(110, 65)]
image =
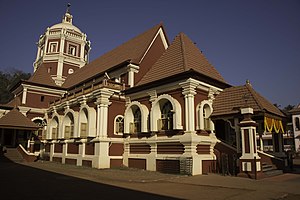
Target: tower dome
[(62, 49)]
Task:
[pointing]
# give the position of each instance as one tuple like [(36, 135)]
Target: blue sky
[(257, 40)]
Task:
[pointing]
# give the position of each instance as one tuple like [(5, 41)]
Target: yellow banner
[(273, 124)]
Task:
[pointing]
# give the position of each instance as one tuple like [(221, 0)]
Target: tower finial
[(248, 83), (68, 8), (67, 18)]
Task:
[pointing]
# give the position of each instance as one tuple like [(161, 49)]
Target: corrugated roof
[(132, 51), (16, 120), (41, 76), (230, 100), (181, 56)]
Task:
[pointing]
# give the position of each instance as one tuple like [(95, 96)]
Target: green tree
[(8, 80)]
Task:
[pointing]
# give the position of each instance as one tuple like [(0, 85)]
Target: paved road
[(47, 180)]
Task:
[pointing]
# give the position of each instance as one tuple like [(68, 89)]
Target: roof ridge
[(41, 76), (132, 50), (183, 50), (253, 93), (262, 101)]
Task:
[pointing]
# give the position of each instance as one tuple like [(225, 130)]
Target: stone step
[(266, 168), (13, 155), (274, 172)]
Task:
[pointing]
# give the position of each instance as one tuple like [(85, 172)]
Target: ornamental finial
[(68, 8)]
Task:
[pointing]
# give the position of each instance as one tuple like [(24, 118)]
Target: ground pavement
[(49, 180)]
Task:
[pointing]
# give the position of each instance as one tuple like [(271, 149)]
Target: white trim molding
[(128, 117), (155, 112)]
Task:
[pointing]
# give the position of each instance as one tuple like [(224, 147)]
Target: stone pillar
[(102, 112), (101, 152), (64, 152), (238, 135), (151, 160), (2, 137), (131, 69), (81, 154), (189, 91), (24, 96), (250, 165), (51, 151), (62, 44)]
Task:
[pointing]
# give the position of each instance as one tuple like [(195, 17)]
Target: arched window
[(135, 127), (165, 114), (136, 118), (40, 133), (297, 123), (166, 121), (206, 117), (83, 123), (119, 125), (54, 130), (204, 110), (68, 126)]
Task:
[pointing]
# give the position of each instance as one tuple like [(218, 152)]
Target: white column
[(249, 144), (102, 111), (24, 96), (189, 91), (238, 135), (62, 44), (51, 151), (82, 45), (131, 69)]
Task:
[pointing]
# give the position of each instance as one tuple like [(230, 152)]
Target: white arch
[(199, 115), (115, 122), (55, 122), (38, 118), (67, 122), (155, 112), (90, 118), (128, 116)]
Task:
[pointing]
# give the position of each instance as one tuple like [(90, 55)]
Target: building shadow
[(23, 182)]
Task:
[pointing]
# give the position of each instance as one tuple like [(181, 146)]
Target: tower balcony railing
[(88, 89)]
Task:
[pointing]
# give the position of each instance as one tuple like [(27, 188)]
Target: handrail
[(26, 152), (269, 155), (227, 145)]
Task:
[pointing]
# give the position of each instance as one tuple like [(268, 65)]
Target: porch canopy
[(16, 120)]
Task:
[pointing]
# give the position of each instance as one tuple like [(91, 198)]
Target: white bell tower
[(62, 49)]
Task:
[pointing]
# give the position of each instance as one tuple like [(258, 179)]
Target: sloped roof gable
[(15, 119), (181, 56), (131, 51), (230, 100), (41, 76)]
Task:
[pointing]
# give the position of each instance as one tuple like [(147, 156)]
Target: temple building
[(148, 103), (295, 112)]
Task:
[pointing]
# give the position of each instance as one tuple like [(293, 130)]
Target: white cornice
[(164, 40), (43, 93), (44, 89), (173, 86), (34, 110)]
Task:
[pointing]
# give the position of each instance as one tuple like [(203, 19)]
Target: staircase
[(270, 170), (13, 155)]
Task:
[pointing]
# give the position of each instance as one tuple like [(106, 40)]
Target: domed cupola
[(62, 49)]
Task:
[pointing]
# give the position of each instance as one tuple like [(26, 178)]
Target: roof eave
[(101, 73), (176, 77)]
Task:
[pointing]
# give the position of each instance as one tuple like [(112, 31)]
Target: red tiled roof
[(295, 110), (230, 100), (181, 56), (16, 101), (16, 120), (132, 51), (41, 76)]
